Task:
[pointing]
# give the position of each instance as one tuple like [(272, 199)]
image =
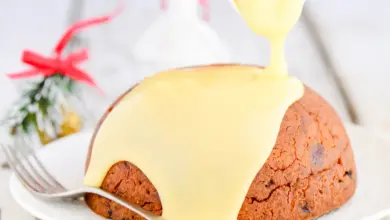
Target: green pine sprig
[(36, 104)]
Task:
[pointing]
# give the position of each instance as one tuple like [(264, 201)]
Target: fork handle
[(146, 214)]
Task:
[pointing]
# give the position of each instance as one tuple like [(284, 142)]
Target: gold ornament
[(71, 124)]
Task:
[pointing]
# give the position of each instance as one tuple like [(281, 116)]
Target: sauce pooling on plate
[(202, 134)]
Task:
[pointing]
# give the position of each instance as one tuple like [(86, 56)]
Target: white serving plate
[(66, 159)]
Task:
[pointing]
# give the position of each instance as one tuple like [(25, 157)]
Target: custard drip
[(272, 19), (202, 134)]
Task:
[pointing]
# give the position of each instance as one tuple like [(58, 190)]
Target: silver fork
[(35, 177)]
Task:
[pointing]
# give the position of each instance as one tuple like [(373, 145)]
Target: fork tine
[(23, 175), (57, 185), (53, 182), (33, 170)]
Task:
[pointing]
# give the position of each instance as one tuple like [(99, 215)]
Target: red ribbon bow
[(66, 66)]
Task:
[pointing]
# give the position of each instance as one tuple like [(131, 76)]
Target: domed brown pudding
[(310, 171)]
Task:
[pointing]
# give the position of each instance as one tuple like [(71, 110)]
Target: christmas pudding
[(199, 125), (224, 141)]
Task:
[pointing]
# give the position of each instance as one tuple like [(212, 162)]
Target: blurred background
[(340, 48)]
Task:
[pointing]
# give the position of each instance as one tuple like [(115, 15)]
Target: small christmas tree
[(47, 107)]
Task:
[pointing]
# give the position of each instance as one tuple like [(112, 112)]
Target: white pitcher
[(178, 38)]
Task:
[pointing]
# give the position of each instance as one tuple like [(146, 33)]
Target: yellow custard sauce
[(202, 134), (272, 19)]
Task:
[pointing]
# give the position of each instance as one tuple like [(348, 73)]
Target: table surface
[(338, 48)]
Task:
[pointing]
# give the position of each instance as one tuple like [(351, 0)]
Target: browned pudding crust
[(310, 172)]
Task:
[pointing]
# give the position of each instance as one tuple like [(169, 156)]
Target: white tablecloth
[(9, 209)]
